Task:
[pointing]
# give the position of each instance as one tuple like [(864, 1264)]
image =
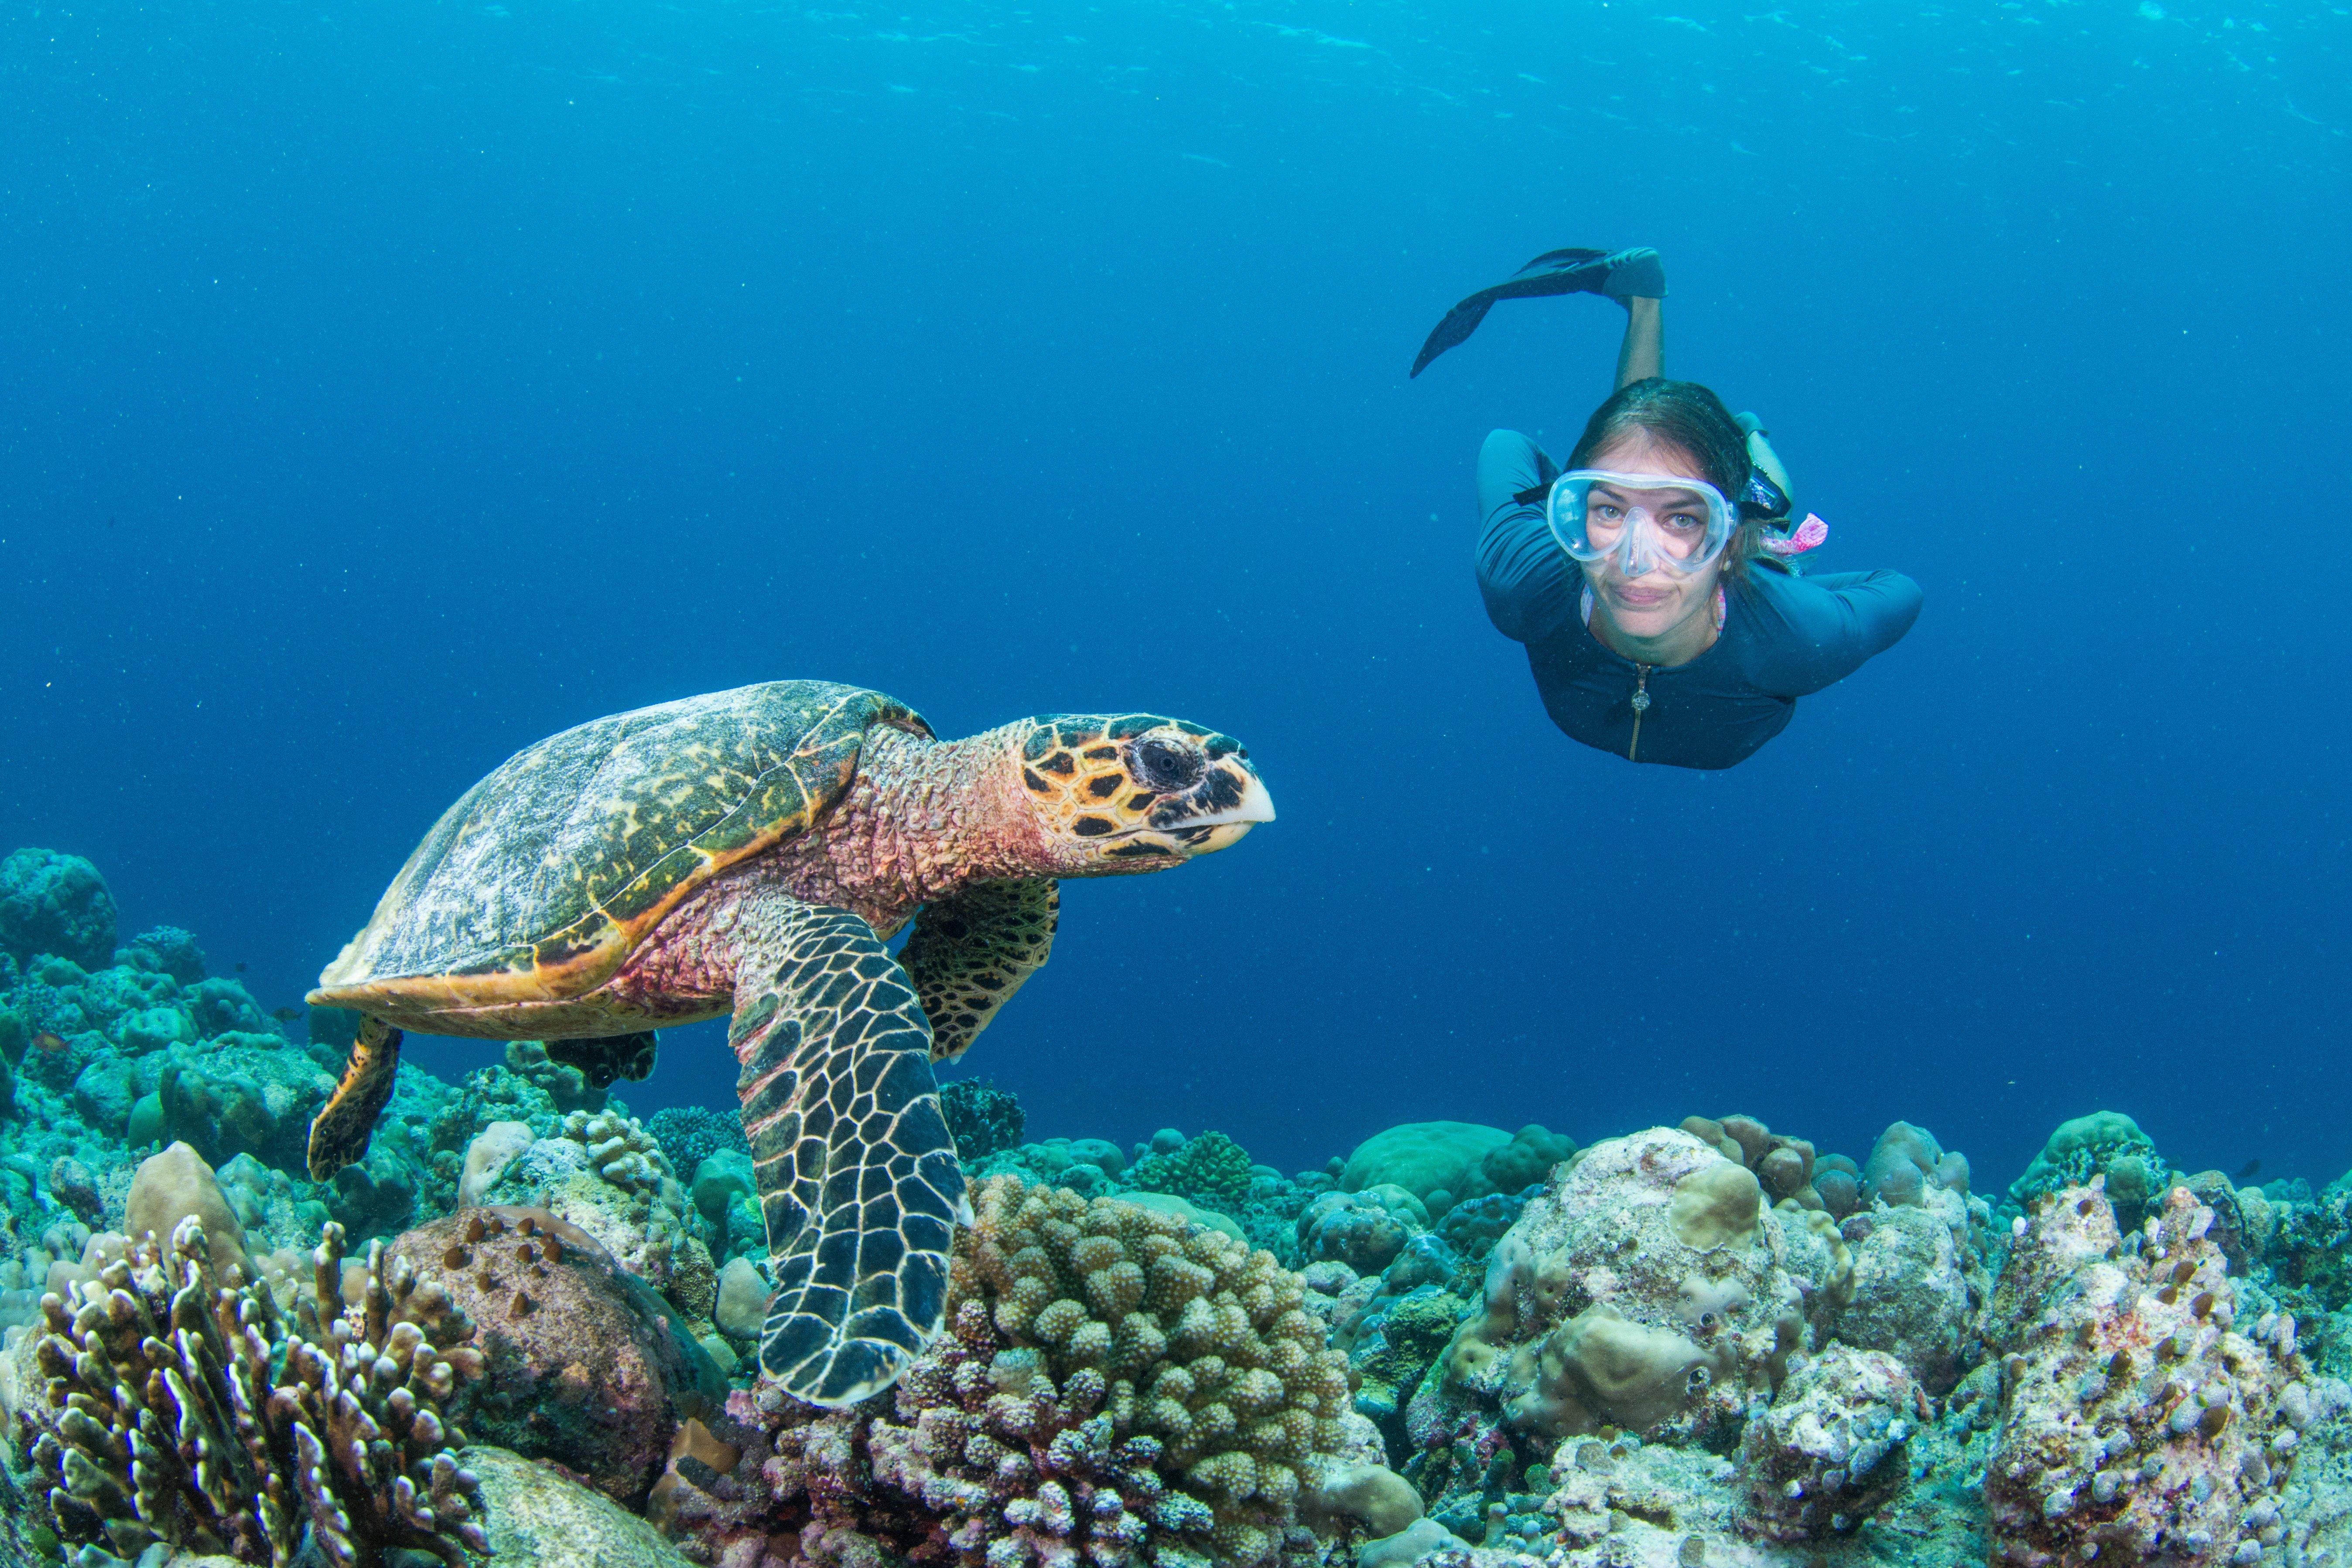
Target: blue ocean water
[(388, 386)]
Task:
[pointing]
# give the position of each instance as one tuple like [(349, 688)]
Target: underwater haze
[(388, 386)]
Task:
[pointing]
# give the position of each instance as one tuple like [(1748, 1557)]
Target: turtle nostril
[(1161, 764)]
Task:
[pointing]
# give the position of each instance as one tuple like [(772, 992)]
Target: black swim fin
[(1570, 272)]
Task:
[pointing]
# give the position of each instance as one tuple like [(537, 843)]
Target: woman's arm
[(1813, 631), (1529, 584)]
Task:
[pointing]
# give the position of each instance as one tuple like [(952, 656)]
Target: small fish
[(48, 1042), (286, 1015), (2246, 1174), (240, 969)]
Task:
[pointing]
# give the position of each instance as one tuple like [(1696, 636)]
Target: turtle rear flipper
[(970, 953), (858, 1179), (612, 1057), (340, 1132)]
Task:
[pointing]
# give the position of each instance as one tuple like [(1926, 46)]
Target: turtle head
[(1133, 792)]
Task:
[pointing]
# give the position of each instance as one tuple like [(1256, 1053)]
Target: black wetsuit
[(1784, 636)]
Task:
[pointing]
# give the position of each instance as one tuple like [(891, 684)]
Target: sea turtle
[(749, 852)]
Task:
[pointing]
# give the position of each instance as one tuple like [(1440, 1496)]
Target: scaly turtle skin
[(749, 852)]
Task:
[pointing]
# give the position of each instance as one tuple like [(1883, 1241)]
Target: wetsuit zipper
[(1641, 701)]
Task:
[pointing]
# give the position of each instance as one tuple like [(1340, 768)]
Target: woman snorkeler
[(1654, 580)]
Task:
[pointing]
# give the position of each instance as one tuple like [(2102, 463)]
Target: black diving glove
[(1554, 272), (1636, 274)]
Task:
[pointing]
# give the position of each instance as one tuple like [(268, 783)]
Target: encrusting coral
[(185, 1409), (1116, 1387)]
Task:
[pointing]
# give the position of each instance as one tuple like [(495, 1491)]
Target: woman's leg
[(1642, 354)]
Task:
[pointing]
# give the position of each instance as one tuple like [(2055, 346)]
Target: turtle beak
[(1231, 826)]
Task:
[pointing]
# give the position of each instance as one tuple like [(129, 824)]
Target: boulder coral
[(1365, 1230), (1649, 1287), (1919, 1283), (1830, 1452), (56, 903), (582, 1365), (184, 1411), (1442, 1164), (2141, 1418), (1431, 1159)]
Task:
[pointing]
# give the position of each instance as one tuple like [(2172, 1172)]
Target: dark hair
[(1692, 419)]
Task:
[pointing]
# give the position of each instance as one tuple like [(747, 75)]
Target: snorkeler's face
[(1656, 602)]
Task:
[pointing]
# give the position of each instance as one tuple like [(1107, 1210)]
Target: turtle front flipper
[(858, 1180), (970, 953), (613, 1057), (339, 1133)]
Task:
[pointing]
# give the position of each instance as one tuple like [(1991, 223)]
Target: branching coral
[(186, 1410), (983, 1118), (1116, 1387), (1210, 1170), (689, 1134)]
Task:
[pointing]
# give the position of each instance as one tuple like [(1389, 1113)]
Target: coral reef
[(2140, 1415), (1713, 1344), (1116, 1387), (184, 1410)]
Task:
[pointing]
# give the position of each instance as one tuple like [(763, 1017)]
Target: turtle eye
[(1163, 766)]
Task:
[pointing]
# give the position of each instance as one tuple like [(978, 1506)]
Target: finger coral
[(185, 1409), (620, 1150), (1116, 1387)]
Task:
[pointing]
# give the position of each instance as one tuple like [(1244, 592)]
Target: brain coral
[(1650, 1288)]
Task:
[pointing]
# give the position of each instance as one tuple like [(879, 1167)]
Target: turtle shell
[(537, 884)]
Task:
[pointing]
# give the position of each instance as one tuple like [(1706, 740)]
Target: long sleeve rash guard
[(1783, 636)]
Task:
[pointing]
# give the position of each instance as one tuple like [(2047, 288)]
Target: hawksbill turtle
[(749, 852)]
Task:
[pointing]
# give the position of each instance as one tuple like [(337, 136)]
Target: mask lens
[(1643, 521)]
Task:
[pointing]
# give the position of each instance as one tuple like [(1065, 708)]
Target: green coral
[(1210, 1170)]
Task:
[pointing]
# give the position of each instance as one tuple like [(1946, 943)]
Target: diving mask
[(1645, 522)]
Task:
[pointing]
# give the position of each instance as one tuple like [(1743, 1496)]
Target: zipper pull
[(1641, 704)]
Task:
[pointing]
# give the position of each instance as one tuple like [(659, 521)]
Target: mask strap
[(1809, 534)]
